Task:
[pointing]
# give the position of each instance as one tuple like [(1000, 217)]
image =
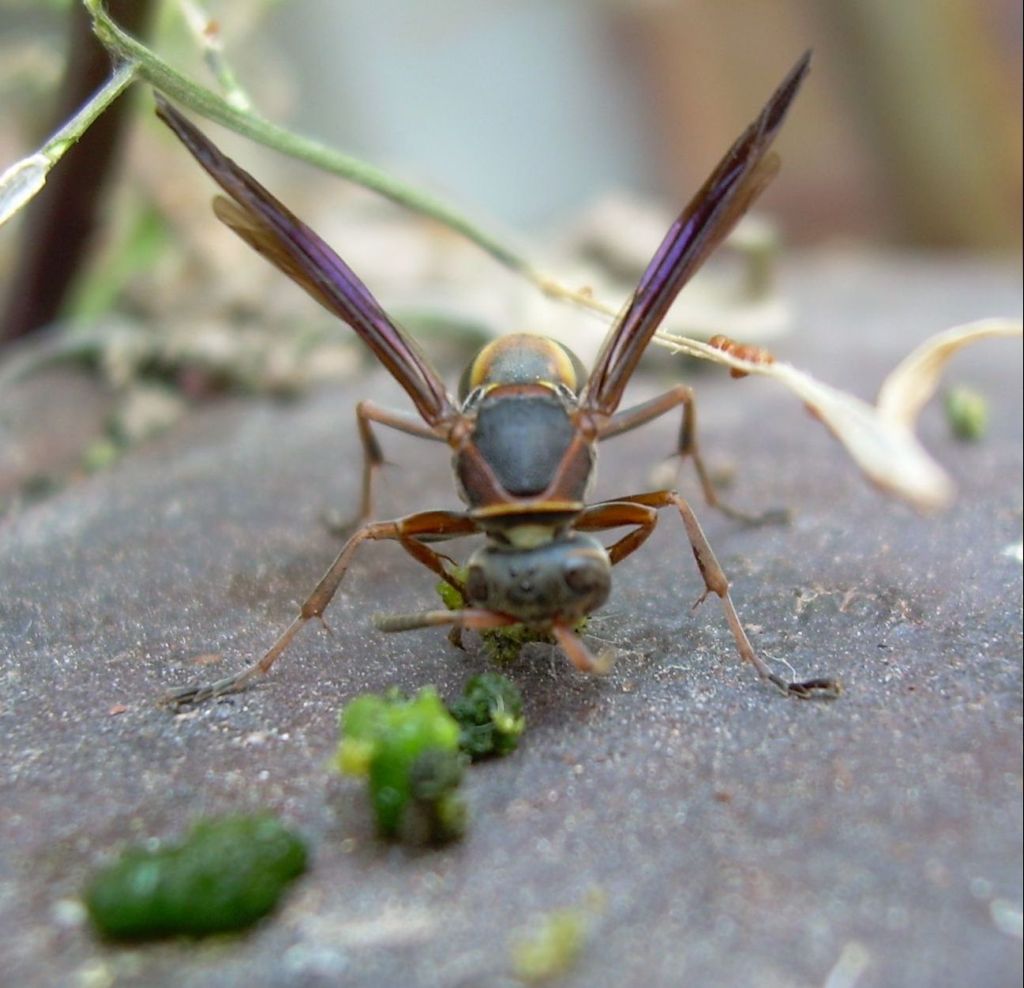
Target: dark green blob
[(224, 876), (490, 716)]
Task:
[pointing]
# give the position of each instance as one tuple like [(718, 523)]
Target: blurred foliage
[(911, 132)]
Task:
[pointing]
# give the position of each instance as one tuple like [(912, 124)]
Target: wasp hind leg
[(687, 447), (373, 459), (640, 511)]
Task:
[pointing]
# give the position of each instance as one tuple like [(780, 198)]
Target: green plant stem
[(208, 104), (207, 36), (27, 177), (57, 230)]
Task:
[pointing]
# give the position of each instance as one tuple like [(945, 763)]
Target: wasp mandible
[(524, 428)]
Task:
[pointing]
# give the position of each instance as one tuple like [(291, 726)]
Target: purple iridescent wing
[(726, 195), (284, 240)]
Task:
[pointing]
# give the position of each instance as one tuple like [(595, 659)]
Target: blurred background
[(908, 133), (527, 111), (573, 129)]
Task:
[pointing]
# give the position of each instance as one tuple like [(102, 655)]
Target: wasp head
[(562, 579)]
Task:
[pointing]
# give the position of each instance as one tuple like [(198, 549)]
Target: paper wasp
[(525, 427)]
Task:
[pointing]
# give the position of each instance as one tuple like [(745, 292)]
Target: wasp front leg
[(407, 531), (640, 512)]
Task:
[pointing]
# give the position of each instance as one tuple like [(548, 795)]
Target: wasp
[(524, 428)]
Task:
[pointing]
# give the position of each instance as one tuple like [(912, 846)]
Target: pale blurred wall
[(525, 108), (909, 130)]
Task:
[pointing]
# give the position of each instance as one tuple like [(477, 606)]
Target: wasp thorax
[(563, 579)]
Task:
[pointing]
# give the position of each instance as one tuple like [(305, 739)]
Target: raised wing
[(284, 240), (738, 180)]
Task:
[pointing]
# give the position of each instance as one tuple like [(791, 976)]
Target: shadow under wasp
[(524, 428)]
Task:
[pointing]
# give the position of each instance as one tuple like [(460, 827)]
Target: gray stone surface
[(735, 837)]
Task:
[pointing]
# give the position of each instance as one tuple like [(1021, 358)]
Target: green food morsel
[(436, 812), (225, 875), (504, 644), (450, 597), (967, 413), (553, 949), (490, 715), (409, 750)]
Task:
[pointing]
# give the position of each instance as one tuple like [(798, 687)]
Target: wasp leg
[(373, 458), (479, 620), (681, 394), (578, 653), (640, 510), (447, 524), (619, 514)]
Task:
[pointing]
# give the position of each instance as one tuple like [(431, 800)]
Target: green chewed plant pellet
[(408, 750), (490, 716), (225, 875)]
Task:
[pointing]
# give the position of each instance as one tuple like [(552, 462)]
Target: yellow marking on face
[(531, 536)]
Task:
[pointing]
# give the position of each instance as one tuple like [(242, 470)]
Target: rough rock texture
[(735, 837)]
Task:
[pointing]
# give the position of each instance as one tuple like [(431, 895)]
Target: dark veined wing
[(284, 240), (738, 180)]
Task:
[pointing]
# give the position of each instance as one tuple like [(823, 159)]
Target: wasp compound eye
[(476, 584), (585, 574)]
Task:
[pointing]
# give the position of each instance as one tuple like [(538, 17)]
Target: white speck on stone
[(68, 913), (1007, 918)]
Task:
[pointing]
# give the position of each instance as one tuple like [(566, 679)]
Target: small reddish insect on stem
[(741, 351)]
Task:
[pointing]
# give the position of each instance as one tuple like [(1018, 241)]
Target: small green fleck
[(408, 748), (450, 597), (553, 948), (100, 454), (226, 874), (967, 413), (490, 716)]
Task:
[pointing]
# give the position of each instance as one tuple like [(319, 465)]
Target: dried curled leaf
[(880, 437), (913, 381)]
